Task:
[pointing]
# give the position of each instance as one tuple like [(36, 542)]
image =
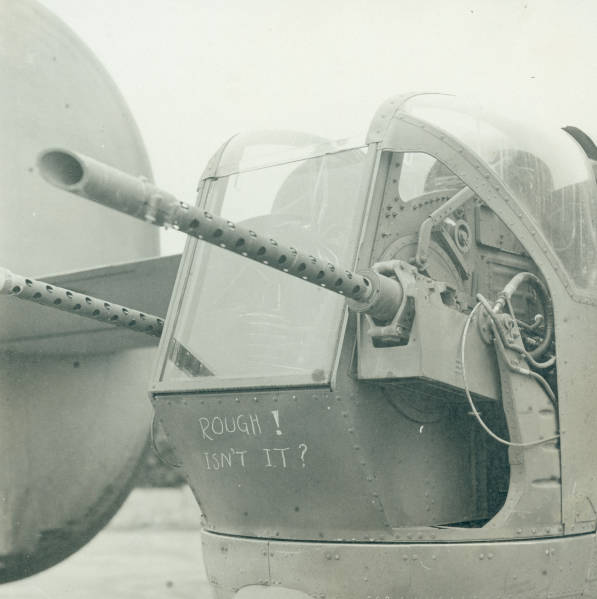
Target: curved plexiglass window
[(242, 320), (543, 167)]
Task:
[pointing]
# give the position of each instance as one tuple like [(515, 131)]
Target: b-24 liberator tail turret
[(428, 441)]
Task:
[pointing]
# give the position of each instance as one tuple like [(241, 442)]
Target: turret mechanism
[(435, 412)]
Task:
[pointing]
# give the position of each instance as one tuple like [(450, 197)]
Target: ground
[(151, 549)]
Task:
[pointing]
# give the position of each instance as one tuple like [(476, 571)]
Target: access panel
[(284, 465)]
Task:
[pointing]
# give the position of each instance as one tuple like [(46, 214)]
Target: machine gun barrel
[(80, 304), (369, 292)]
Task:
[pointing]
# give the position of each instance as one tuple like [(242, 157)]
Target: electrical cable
[(541, 290), (523, 352), (470, 399), (540, 365)]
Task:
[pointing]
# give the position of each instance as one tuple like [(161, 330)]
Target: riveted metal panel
[(230, 563), (551, 568), (576, 331), (274, 464), (574, 309), (420, 454), (430, 354)]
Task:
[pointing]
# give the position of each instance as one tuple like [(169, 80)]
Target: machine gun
[(370, 292), (436, 426)]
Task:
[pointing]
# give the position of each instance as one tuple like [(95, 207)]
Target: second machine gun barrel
[(377, 295), (67, 300)]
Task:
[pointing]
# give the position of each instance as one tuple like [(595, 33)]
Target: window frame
[(207, 384)]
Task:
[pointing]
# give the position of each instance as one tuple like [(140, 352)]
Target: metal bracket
[(456, 250), (435, 219), (397, 331)]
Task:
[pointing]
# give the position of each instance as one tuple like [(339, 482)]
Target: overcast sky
[(195, 72)]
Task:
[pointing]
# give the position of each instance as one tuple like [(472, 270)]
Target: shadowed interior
[(60, 168)]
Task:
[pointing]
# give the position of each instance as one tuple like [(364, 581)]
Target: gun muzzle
[(137, 197)]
